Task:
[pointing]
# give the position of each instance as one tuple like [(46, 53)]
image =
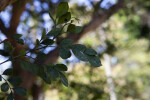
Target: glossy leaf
[(33, 68), (20, 91), (21, 41), (8, 48), (61, 67), (94, 61), (65, 18), (43, 34), (40, 71), (62, 9), (78, 51), (4, 87), (78, 29), (63, 79), (53, 73), (25, 65), (66, 43), (54, 32), (4, 53), (71, 28), (16, 36), (47, 78), (51, 16), (90, 51), (79, 47), (15, 81), (41, 56), (47, 42), (29, 66), (8, 71), (64, 53), (37, 42)]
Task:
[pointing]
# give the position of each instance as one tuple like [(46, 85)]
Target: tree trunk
[(5, 3), (107, 65), (110, 82), (27, 77)]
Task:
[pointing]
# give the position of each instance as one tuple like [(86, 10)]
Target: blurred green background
[(122, 42)]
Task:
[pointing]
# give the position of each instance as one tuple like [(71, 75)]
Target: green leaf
[(33, 68), (20, 91), (66, 43), (43, 34), (78, 29), (15, 81), (51, 16), (40, 71), (37, 42), (25, 65), (61, 67), (80, 47), (53, 72), (65, 18), (78, 51), (71, 28), (8, 48), (94, 60), (4, 53), (64, 53), (47, 42), (10, 97), (29, 66), (16, 36), (8, 71), (90, 51), (41, 56), (5, 87), (62, 9), (54, 32), (63, 79), (47, 78), (20, 41)]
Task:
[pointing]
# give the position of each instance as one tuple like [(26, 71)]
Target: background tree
[(29, 17)]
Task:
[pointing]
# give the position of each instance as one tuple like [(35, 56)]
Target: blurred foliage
[(128, 39)]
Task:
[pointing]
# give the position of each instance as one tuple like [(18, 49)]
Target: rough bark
[(5, 3), (39, 93)]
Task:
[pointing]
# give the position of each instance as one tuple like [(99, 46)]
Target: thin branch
[(4, 61)]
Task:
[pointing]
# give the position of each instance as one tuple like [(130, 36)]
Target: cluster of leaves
[(12, 84), (80, 51), (48, 72)]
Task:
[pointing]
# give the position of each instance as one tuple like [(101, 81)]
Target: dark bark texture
[(5, 3)]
